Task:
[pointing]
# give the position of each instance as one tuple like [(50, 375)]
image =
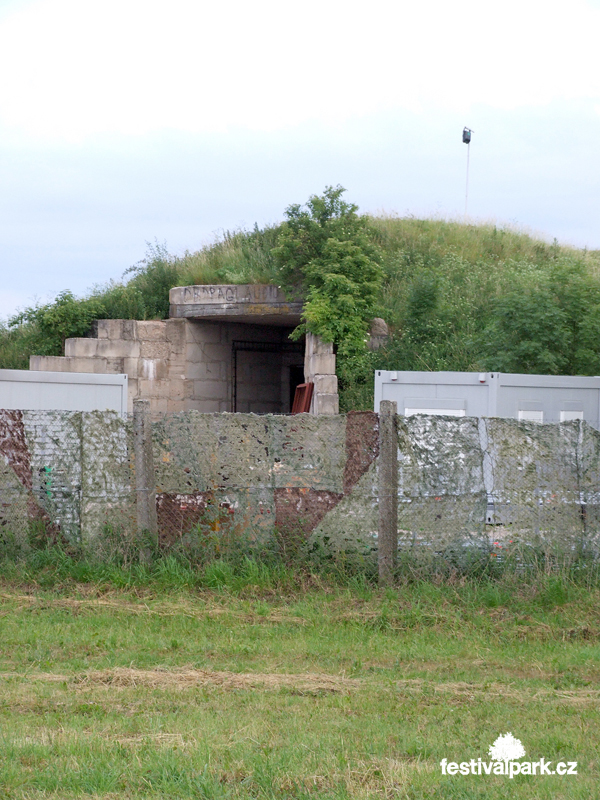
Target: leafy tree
[(328, 250), (586, 354), (548, 322)]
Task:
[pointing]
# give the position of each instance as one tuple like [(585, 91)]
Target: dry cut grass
[(328, 694)]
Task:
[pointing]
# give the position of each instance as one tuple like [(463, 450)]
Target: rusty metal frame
[(303, 398)]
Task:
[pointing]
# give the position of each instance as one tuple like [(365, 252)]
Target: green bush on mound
[(455, 296)]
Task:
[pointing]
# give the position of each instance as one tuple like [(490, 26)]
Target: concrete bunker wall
[(182, 365), (225, 348)]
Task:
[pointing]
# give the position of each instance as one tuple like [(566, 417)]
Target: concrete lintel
[(249, 303)]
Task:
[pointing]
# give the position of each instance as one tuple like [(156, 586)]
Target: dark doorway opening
[(265, 376)]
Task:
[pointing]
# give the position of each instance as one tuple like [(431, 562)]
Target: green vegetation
[(144, 682), (456, 296), (328, 250)]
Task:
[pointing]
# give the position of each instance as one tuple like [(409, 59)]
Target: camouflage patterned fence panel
[(466, 486), (64, 475)]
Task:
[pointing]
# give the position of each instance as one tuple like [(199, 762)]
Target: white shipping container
[(62, 391), (538, 398)]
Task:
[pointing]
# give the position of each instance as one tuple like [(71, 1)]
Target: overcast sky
[(123, 122)]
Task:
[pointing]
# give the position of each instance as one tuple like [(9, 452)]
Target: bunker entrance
[(265, 376)]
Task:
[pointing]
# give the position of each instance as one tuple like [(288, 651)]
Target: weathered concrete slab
[(252, 466), (253, 303), (353, 524), (441, 493), (589, 484), (14, 508), (308, 451), (439, 456), (227, 477)]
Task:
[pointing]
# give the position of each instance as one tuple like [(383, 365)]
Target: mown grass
[(275, 683)]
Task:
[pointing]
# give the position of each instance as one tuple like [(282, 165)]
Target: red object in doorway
[(302, 397)]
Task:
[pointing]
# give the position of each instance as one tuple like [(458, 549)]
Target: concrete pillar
[(319, 369), (388, 492), (145, 483)]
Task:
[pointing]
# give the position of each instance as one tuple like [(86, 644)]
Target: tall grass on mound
[(235, 257), (493, 242), (456, 296), (473, 297)]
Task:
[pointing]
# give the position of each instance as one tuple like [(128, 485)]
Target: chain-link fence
[(480, 489), (464, 485), (542, 485), (245, 476), (41, 474), (501, 485), (64, 476)]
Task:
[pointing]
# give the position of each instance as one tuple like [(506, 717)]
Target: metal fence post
[(145, 483), (388, 492)]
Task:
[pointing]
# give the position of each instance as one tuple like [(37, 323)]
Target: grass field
[(293, 691)]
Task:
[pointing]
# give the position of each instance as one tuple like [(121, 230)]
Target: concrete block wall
[(182, 365), (151, 353)]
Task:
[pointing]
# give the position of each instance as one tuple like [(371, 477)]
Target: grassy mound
[(456, 297)]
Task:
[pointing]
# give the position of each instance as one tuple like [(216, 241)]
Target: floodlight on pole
[(466, 137)]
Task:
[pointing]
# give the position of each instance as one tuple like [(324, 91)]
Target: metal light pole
[(466, 137)]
